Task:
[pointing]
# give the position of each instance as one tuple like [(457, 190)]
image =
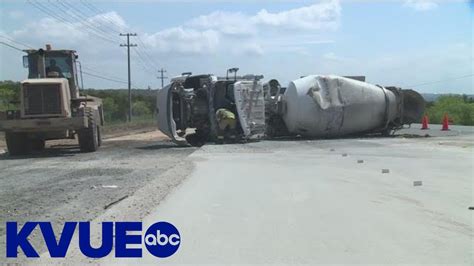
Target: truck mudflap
[(43, 124), (166, 123), (250, 105)]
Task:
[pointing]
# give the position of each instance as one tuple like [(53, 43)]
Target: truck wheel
[(17, 143), (37, 144), (88, 137)]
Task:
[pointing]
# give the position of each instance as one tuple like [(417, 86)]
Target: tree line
[(115, 101), (460, 108)]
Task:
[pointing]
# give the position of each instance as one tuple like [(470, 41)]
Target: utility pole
[(162, 77), (128, 45)]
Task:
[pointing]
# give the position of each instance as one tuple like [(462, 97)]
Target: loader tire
[(17, 143), (88, 137), (37, 144), (99, 136)]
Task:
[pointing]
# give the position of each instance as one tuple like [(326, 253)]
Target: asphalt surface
[(316, 202), (283, 202)]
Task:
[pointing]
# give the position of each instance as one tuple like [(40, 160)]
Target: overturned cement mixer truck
[(314, 106)]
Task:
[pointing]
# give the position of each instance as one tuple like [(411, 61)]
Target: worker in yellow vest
[(227, 123)]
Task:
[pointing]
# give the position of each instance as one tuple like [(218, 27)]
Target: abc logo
[(162, 239)]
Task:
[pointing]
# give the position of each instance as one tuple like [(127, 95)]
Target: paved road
[(62, 184), (268, 202), (300, 202)]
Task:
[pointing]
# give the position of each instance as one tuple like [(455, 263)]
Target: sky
[(426, 45)]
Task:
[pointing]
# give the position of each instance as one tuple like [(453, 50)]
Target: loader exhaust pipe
[(41, 64)]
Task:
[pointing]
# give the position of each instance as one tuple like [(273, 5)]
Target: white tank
[(328, 106)]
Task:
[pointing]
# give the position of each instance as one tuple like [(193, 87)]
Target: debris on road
[(417, 183), (360, 161), (344, 155), (385, 171), (109, 186), (115, 202)]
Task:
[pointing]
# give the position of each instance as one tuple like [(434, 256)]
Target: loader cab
[(53, 64)]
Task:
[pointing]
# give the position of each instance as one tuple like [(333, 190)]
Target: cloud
[(108, 20), (320, 16), (255, 30), (48, 30), (333, 57), (421, 5), (61, 32), (204, 43), (184, 41), (237, 32), (250, 49), (225, 22), (324, 15)]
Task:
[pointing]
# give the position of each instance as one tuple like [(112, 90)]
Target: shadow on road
[(52, 151), (161, 146)]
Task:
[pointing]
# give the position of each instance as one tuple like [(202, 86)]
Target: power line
[(66, 20), (77, 16), (141, 58), (104, 78), (11, 46), (97, 11), (109, 76), (83, 19), (441, 81), (142, 52), (17, 42), (105, 74), (143, 63)]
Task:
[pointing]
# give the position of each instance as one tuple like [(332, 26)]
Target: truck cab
[(187, 108)]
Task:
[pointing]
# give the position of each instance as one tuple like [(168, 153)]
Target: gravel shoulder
[(62, 184)]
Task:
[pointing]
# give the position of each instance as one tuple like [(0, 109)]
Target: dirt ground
[(62, 184), (107, 132)]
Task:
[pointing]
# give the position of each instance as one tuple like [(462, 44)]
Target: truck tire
[(37, 144), (17, 143), (88, 137)]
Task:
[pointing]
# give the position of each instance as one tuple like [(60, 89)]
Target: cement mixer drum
[(331, 106)]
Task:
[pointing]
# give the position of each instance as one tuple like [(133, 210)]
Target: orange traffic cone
[(424, 123), (445, 123)]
